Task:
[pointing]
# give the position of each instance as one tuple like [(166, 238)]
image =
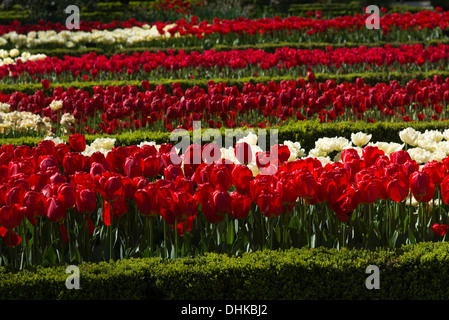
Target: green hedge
[(268, 47), (304, 132), (416, 272)]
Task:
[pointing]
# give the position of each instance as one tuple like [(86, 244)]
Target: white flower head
[(360, 138)]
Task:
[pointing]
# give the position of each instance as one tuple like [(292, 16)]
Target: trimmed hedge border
[(268, 47), (416, 272), (304, 132)]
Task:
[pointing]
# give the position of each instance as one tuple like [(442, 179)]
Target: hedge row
[(304, 132), (415, 272), (370, 78), (268, 47)]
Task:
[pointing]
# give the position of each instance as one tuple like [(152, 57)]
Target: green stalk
[(111, 214), (176, 237)]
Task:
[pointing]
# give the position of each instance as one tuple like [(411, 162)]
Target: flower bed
[(226, 64), (88, 203), (76, 202)]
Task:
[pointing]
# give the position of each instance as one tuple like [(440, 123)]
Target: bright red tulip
[(439, 229)]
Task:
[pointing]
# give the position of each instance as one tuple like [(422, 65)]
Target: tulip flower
[(439, 229), (85, 200), (56, 212), (77, 142), (241, 205)]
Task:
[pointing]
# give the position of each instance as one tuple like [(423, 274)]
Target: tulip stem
[(111, 215), (176, 237)]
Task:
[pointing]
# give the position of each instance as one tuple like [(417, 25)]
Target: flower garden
[(91, 174)]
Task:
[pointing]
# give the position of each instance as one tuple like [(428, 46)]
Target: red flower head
[(421, 186), (56, 211), (86, 200), (439, 229), (11, 215), (241, 205), (45, 84), (77, 142), (241, 178)]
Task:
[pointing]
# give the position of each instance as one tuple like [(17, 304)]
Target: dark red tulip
[(86, 200), (56, 212), (77, 142), (45, 84), (133, 167), (34, 202), (11, 215), (146, 201), (221, 201), (241, 205), (66, 195), (151, 166), (183, 205)]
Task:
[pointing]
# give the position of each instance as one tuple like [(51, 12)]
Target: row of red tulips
[(52, 198), (114, 108), (226, 63), (420, 20)]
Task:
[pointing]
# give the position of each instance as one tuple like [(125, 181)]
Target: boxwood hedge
[(415, 272), (304, 132)]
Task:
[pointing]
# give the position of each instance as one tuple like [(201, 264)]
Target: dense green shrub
[(411, 272), (304, 132), (268, 47)]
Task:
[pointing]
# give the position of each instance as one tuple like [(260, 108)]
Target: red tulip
[(10, 237), (221, 201), (270, 204), (398, 187), (183, 205), (282, 152), (34, 202), (133, 167), (436, 171), (420, 184), (241, 205), (77, 142), (439, 229), (66, 195), (119, 208), (151, 166), (45, 84), (400, 157), (56, 212), (73, 162), (146, 201), (86, 200), (11, 215), (221, 175), (241, 177)]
